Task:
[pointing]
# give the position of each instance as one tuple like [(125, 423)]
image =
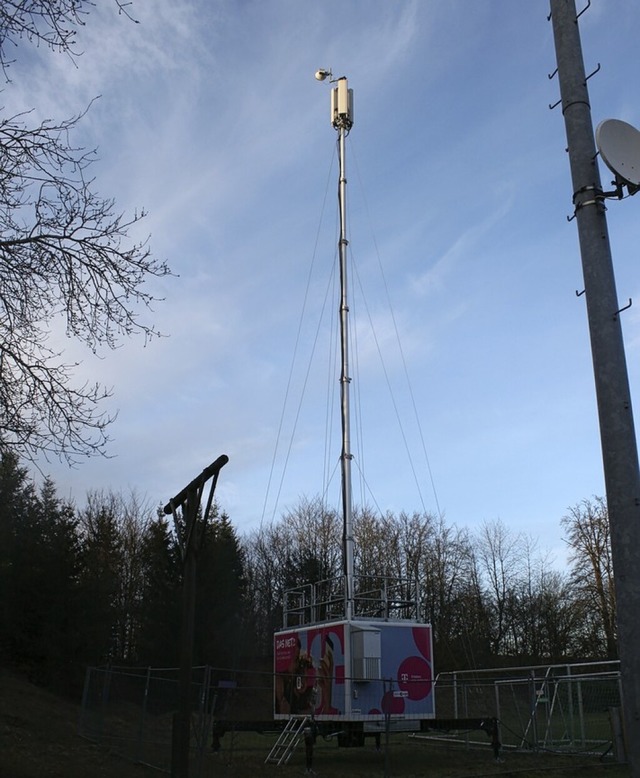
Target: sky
[(474, 390)]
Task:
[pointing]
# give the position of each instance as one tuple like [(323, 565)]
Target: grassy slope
[(38, 738)]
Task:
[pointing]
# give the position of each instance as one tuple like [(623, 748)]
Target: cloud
[(464, 249)]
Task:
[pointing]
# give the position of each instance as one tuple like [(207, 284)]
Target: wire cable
[(294, 359), (401, 351)]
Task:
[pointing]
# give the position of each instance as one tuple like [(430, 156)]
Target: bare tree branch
[(65, 253), (49, 22)]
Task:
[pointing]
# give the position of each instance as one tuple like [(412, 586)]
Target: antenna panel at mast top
[(342, 105)]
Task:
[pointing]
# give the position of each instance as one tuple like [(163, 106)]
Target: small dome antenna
[(321, 75)]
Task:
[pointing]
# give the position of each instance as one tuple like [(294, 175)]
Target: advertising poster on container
[(310, 671), (361, 670)]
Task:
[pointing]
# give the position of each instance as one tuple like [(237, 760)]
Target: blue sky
[(209, 117)]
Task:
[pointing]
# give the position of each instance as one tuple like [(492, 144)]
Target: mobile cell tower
[(353, 648)]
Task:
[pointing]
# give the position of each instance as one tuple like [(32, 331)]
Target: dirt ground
[(38, 739)]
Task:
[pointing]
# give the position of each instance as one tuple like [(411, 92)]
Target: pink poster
[(309, 665)]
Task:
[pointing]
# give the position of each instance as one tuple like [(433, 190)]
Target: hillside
[(38, 737)]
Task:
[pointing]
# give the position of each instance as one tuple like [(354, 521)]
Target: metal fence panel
[(131, 710), (557, 707)]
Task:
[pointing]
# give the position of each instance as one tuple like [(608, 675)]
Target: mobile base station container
[(362, 672)]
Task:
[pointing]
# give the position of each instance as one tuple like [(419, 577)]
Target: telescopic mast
[(342, 121)]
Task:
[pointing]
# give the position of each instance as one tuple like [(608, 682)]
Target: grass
[(406, 757), (38, 739)]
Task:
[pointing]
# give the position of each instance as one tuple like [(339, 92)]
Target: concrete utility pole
[(617, 433)]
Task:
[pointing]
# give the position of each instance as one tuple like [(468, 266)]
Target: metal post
[(143, 717), (455, 695), (534, 709), (387, 730), (581, 715), (572, 725), (205, 719), (617, 433), (83, 724), (106, 686)]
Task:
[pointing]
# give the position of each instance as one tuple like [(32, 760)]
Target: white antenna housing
[(342, 105)]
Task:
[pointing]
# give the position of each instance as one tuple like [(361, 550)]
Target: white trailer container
[(358, 670)]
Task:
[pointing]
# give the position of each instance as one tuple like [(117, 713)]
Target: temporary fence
[(131, 710), (564, 707), (557, 707)]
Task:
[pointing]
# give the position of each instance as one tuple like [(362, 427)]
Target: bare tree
[(264, 591), (315, 532), (303, 547), (499, 553), (65, 255), (50, 22), (561, 618), (547, 619), (588, 535), (377, 544), (452, 600)]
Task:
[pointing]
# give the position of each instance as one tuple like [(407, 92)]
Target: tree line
[(101, 583), (492, 596)]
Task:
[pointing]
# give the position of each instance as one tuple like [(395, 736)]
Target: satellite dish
[(619, 146)]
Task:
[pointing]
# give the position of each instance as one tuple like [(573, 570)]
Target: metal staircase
[(286, 744)]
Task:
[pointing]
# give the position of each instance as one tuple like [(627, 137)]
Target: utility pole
[(190, 533), (617, 432)]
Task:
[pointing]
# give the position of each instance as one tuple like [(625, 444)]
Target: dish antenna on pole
[(619, 147)]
